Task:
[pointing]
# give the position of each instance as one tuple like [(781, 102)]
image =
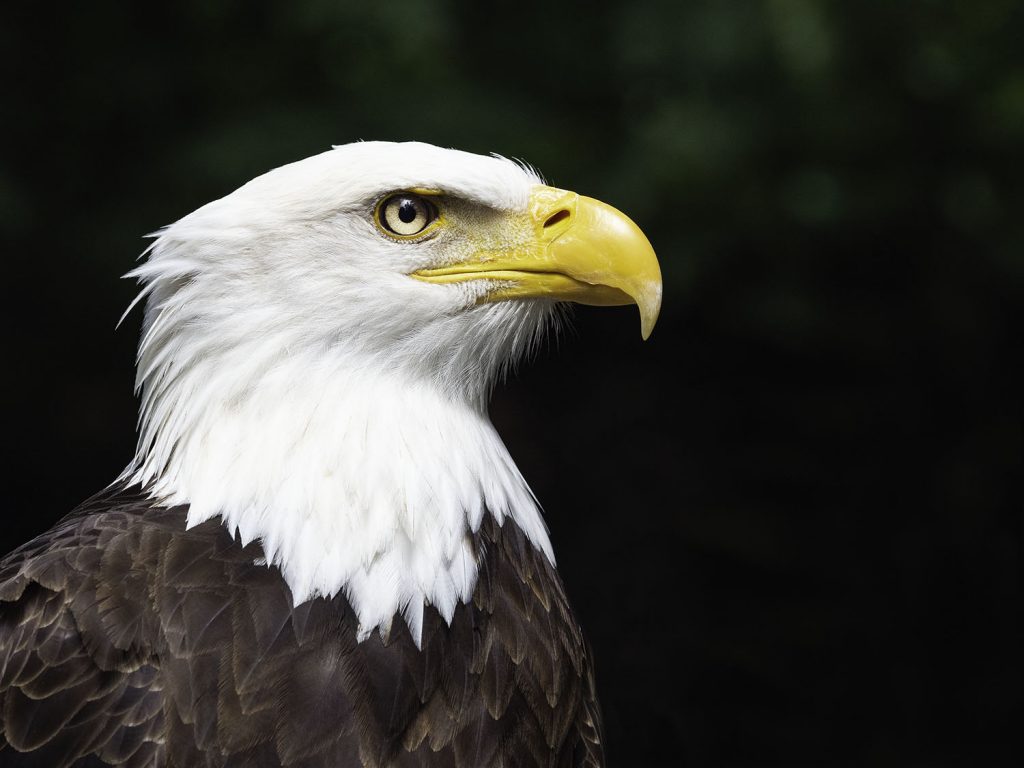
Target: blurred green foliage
[(720, 125), (814, 553)]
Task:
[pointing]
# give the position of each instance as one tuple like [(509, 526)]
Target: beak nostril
[(556, 217)]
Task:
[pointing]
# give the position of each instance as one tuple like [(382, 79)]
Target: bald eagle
[(322, 553)]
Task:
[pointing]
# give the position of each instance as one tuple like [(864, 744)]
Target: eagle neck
[(364, 483)]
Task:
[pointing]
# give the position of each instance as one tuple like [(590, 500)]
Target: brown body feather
[(127, 640)]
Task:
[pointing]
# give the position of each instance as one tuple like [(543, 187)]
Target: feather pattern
[(127, 640), (299, 385)]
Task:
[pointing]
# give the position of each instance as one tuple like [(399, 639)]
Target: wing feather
[(127, 640)]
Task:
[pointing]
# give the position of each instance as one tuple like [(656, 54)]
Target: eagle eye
[(406, 214)]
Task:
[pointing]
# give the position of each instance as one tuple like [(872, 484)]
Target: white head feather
[(298, 383)]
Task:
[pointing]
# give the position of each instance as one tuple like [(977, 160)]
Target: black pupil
[(407, 211)]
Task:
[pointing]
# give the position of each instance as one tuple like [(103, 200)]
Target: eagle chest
[(196, 656)]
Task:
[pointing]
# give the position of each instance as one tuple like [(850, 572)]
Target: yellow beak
[(581, 250)]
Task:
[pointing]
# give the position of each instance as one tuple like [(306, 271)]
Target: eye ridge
[(405, 214)]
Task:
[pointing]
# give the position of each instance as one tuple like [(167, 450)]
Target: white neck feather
[(366, 484)]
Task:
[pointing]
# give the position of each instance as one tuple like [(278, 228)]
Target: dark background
[(791, 523)]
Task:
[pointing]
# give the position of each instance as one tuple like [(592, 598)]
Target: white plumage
[(298, 383)]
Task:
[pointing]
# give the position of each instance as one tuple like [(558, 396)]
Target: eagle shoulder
[(75, 678)]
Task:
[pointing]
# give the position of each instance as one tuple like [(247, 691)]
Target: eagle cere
[(322, 553)]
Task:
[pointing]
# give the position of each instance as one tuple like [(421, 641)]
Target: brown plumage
[(127, 640)]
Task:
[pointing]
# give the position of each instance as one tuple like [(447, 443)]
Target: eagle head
[(318, 347)]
